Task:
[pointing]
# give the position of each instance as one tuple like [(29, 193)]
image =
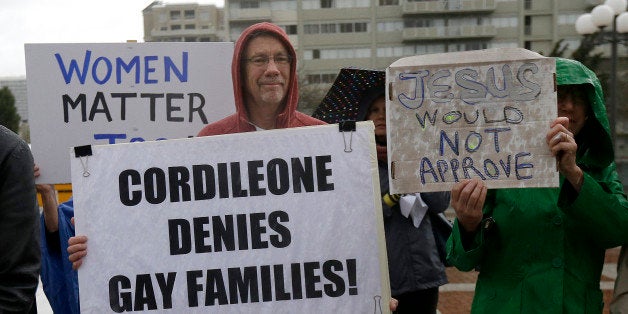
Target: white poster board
[(476, 114), (281, 221), (103, 93)]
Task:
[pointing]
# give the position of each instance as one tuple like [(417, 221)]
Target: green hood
[(595, 147)]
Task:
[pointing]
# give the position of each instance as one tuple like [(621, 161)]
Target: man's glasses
[(262, 61)]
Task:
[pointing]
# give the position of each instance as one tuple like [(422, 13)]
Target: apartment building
[(183, 22), (330, 34)]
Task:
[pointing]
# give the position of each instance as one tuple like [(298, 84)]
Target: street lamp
[(612, 13)]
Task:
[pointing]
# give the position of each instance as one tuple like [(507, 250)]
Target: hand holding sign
[(465, 115), (258, 243)]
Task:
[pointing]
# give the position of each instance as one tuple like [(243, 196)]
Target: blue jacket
[(59, 280)]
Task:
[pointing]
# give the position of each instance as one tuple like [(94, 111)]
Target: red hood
[(292, 98), (239, 122)]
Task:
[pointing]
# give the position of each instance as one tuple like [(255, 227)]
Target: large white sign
[(476, 114), (107, 93), (282, 221)]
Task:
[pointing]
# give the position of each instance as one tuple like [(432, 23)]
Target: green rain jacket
[(545, 251)]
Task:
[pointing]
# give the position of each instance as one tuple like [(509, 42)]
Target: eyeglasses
[(261, 61)]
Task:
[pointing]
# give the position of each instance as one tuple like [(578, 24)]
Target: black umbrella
[(350, 95)]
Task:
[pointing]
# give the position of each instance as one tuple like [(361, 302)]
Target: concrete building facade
[(330, 34), (184, 22)]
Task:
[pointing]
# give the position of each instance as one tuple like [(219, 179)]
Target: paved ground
[(456, 297)]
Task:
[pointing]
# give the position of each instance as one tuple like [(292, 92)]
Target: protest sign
[(103, 93), (279, 221), (476, 114)]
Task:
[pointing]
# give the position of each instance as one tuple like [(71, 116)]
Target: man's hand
[(43, 189), (77, 249)]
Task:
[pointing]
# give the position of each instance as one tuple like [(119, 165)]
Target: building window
[(190, 26), (504, 45), (361, 27), (388, 2), (175, 15), (346, 27), (328, 28), (567, 19), (316, 54), (310, 4), (189, 14), (527, 45), (331, 28), (163, 28), (527, 25), (502, 22), (418, 23), (313, 79), (290, 29), (527, 4), (175, 27), (283, 5), (327, 3), (466, 46), (321, 78), (389, 26), (311, 28), (249, 4), (328, 78)]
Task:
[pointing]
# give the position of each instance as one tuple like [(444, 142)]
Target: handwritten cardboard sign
[(477, 114), (104, 93), (281, 221)]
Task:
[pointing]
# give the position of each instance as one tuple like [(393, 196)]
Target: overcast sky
[(68, 21)]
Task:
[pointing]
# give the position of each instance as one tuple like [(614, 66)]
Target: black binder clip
[(344, 127), (83, 151)]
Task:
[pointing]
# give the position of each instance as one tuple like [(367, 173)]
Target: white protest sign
[(476, 114), (281, 221), (103, 93)]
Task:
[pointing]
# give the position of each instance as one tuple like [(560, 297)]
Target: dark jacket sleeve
[(19, 224), (436, 202)]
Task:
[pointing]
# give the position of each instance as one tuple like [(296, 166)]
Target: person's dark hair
[(578, 93), (367, 100)]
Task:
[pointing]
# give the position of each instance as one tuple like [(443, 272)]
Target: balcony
[(447, 6), (245, 15), (446, 33)]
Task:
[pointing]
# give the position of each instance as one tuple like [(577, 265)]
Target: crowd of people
[(535, 249)]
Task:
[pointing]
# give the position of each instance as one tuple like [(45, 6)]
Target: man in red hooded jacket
[(265, 87)]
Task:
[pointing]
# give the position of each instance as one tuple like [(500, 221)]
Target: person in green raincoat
[(541, 250)]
